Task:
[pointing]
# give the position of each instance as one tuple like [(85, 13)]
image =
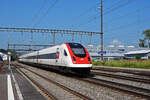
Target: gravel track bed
[(91, 90), (137, 71), (126, 82), (124, 74), (122, 81), (59, 93)]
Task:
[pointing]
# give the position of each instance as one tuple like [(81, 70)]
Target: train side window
[(65, 53)]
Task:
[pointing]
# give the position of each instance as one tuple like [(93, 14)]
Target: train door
[(37, 57), (57, 56), (64, 57)]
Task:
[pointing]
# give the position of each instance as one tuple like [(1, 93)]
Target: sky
[(124, 20)]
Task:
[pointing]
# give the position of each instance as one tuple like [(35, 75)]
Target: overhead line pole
[(102, 31)]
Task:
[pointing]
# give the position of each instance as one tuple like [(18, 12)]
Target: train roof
[(70, 43)]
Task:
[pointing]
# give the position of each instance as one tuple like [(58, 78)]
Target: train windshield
[(77, 49)]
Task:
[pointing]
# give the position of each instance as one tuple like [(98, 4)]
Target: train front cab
[(81, 60)]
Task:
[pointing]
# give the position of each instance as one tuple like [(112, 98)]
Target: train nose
[(81, 60)]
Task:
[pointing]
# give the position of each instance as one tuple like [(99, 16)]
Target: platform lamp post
[(8, 55), (9, 60)]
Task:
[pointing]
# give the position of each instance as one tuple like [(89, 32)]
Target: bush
[(138, 57), (96, 63), (125, 63)]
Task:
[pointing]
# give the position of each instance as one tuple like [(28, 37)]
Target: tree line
[(145, 43), (13, 53)]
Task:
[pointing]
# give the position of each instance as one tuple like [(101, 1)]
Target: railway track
[(140, 92), (46, 93), (77, 94), (124, 70), (127, 77), (124, 88)]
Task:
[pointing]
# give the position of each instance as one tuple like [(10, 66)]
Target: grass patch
[(125, 63)]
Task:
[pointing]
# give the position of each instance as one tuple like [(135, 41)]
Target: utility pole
[(102, 31)]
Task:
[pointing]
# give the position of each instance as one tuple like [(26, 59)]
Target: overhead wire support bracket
[(36, 45), (45, 30)]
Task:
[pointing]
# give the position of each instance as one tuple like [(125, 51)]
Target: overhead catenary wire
[(128, 25), (118, 6), (37, 14), (131, 13), (108, 10), (47, 11), (126, 15), (91, 18), (85, 12), (88, 10)]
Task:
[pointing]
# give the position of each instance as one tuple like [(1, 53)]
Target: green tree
[(147, 36), (14, 55), (142, 43)]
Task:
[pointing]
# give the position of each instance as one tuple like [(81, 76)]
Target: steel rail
[(47, 93), (136, 72), (61, 86), (140, 92), (137, 79)]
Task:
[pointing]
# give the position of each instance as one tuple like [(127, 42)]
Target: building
[(143, 54), (115, 52), (4, 56)]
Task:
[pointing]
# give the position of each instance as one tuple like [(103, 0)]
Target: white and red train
[(68, 57)]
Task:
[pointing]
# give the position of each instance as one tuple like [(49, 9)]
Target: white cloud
[(115, 42)]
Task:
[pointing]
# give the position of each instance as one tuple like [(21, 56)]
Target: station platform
[(13, 86)]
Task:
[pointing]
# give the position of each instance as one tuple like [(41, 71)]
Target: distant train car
[(67, 57)]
